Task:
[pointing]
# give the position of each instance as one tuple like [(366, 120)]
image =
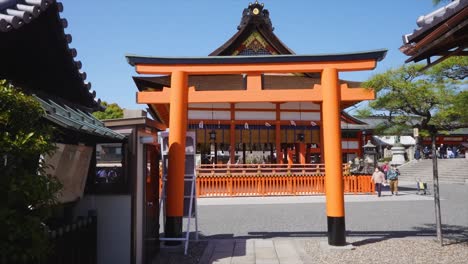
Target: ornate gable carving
[(255, 44)]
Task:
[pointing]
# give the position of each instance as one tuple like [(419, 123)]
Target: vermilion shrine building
[(242, 131)]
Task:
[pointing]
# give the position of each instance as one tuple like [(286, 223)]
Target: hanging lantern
[(300, 137), (212, 135)]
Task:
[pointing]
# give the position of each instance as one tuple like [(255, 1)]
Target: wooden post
[(232, 142), (302, 153), (332, 150), (176, 166), (279, 153), (435, 176)]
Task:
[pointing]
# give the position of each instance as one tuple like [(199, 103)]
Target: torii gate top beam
[(253, 67), (248, 64)]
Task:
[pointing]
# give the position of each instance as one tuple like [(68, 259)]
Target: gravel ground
[(364, 250), (401, 230), (394, 250)]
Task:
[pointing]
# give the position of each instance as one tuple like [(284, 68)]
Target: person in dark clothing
[(442, 151), (417, 154), (426, 152)]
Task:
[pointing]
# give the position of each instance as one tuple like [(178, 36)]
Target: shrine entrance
[(329, 94)]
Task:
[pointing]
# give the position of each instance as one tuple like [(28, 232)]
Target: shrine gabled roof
[(254, 18), (35, 52)]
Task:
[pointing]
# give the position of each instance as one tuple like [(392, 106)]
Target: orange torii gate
[(329, 93)]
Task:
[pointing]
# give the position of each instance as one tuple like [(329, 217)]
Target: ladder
[(189, 214)]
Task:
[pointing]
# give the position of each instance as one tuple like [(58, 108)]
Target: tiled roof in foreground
[(428, 21), (36, 54), (75, 119), (440, 34)]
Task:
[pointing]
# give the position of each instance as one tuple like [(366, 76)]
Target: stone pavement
[(360, 250), (249, 230), (259, 251)]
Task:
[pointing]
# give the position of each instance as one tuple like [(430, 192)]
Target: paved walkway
[(250, 230), (252, 251)]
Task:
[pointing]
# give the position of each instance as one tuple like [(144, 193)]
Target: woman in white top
[(378, 178)]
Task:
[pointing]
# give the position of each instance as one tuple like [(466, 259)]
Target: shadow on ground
[(452, 234)]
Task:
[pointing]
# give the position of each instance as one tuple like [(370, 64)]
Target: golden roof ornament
[(255, 13)]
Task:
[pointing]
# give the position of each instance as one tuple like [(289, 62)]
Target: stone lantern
[(370, 157), (398, 152)]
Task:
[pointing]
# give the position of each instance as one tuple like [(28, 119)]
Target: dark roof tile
[(14, 15), (428, 21)]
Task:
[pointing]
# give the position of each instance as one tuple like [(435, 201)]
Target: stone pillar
[(398, 154)]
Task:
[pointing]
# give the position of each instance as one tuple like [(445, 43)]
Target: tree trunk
[(436, 190)]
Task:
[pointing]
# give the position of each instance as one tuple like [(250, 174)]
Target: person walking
[(426, 152), (392, 177), (417, 154), (385, 167), (378, 178), (442, 151)]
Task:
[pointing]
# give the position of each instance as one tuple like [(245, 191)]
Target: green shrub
[(27, 194)]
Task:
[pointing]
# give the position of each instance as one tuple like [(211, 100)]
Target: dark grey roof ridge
[(427, 21), (17, 13), (14, 14)]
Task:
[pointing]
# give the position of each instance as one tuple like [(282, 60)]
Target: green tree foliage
[(27, 194), (437, 97), (363, 112), (431, 100), (112, 111)]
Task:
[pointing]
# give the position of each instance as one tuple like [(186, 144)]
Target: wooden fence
[(221, 180), (277, 185), (71, 244), (75, 243)]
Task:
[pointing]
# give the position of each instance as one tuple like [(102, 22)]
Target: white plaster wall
[(255, 106), (208, 115), (302, 105), (349, 144), (255, 115), (113, 226), (315, 116)]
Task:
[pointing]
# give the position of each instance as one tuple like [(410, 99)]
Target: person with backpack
[(392, 177)]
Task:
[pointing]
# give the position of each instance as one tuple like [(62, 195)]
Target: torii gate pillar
[(176, 166), (332, 152)]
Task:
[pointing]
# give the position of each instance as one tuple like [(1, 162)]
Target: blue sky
[(104, 31)]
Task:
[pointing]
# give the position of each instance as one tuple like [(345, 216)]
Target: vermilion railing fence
[(221, 180)]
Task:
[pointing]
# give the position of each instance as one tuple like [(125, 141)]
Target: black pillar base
[(336, 231), (173, 229)]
